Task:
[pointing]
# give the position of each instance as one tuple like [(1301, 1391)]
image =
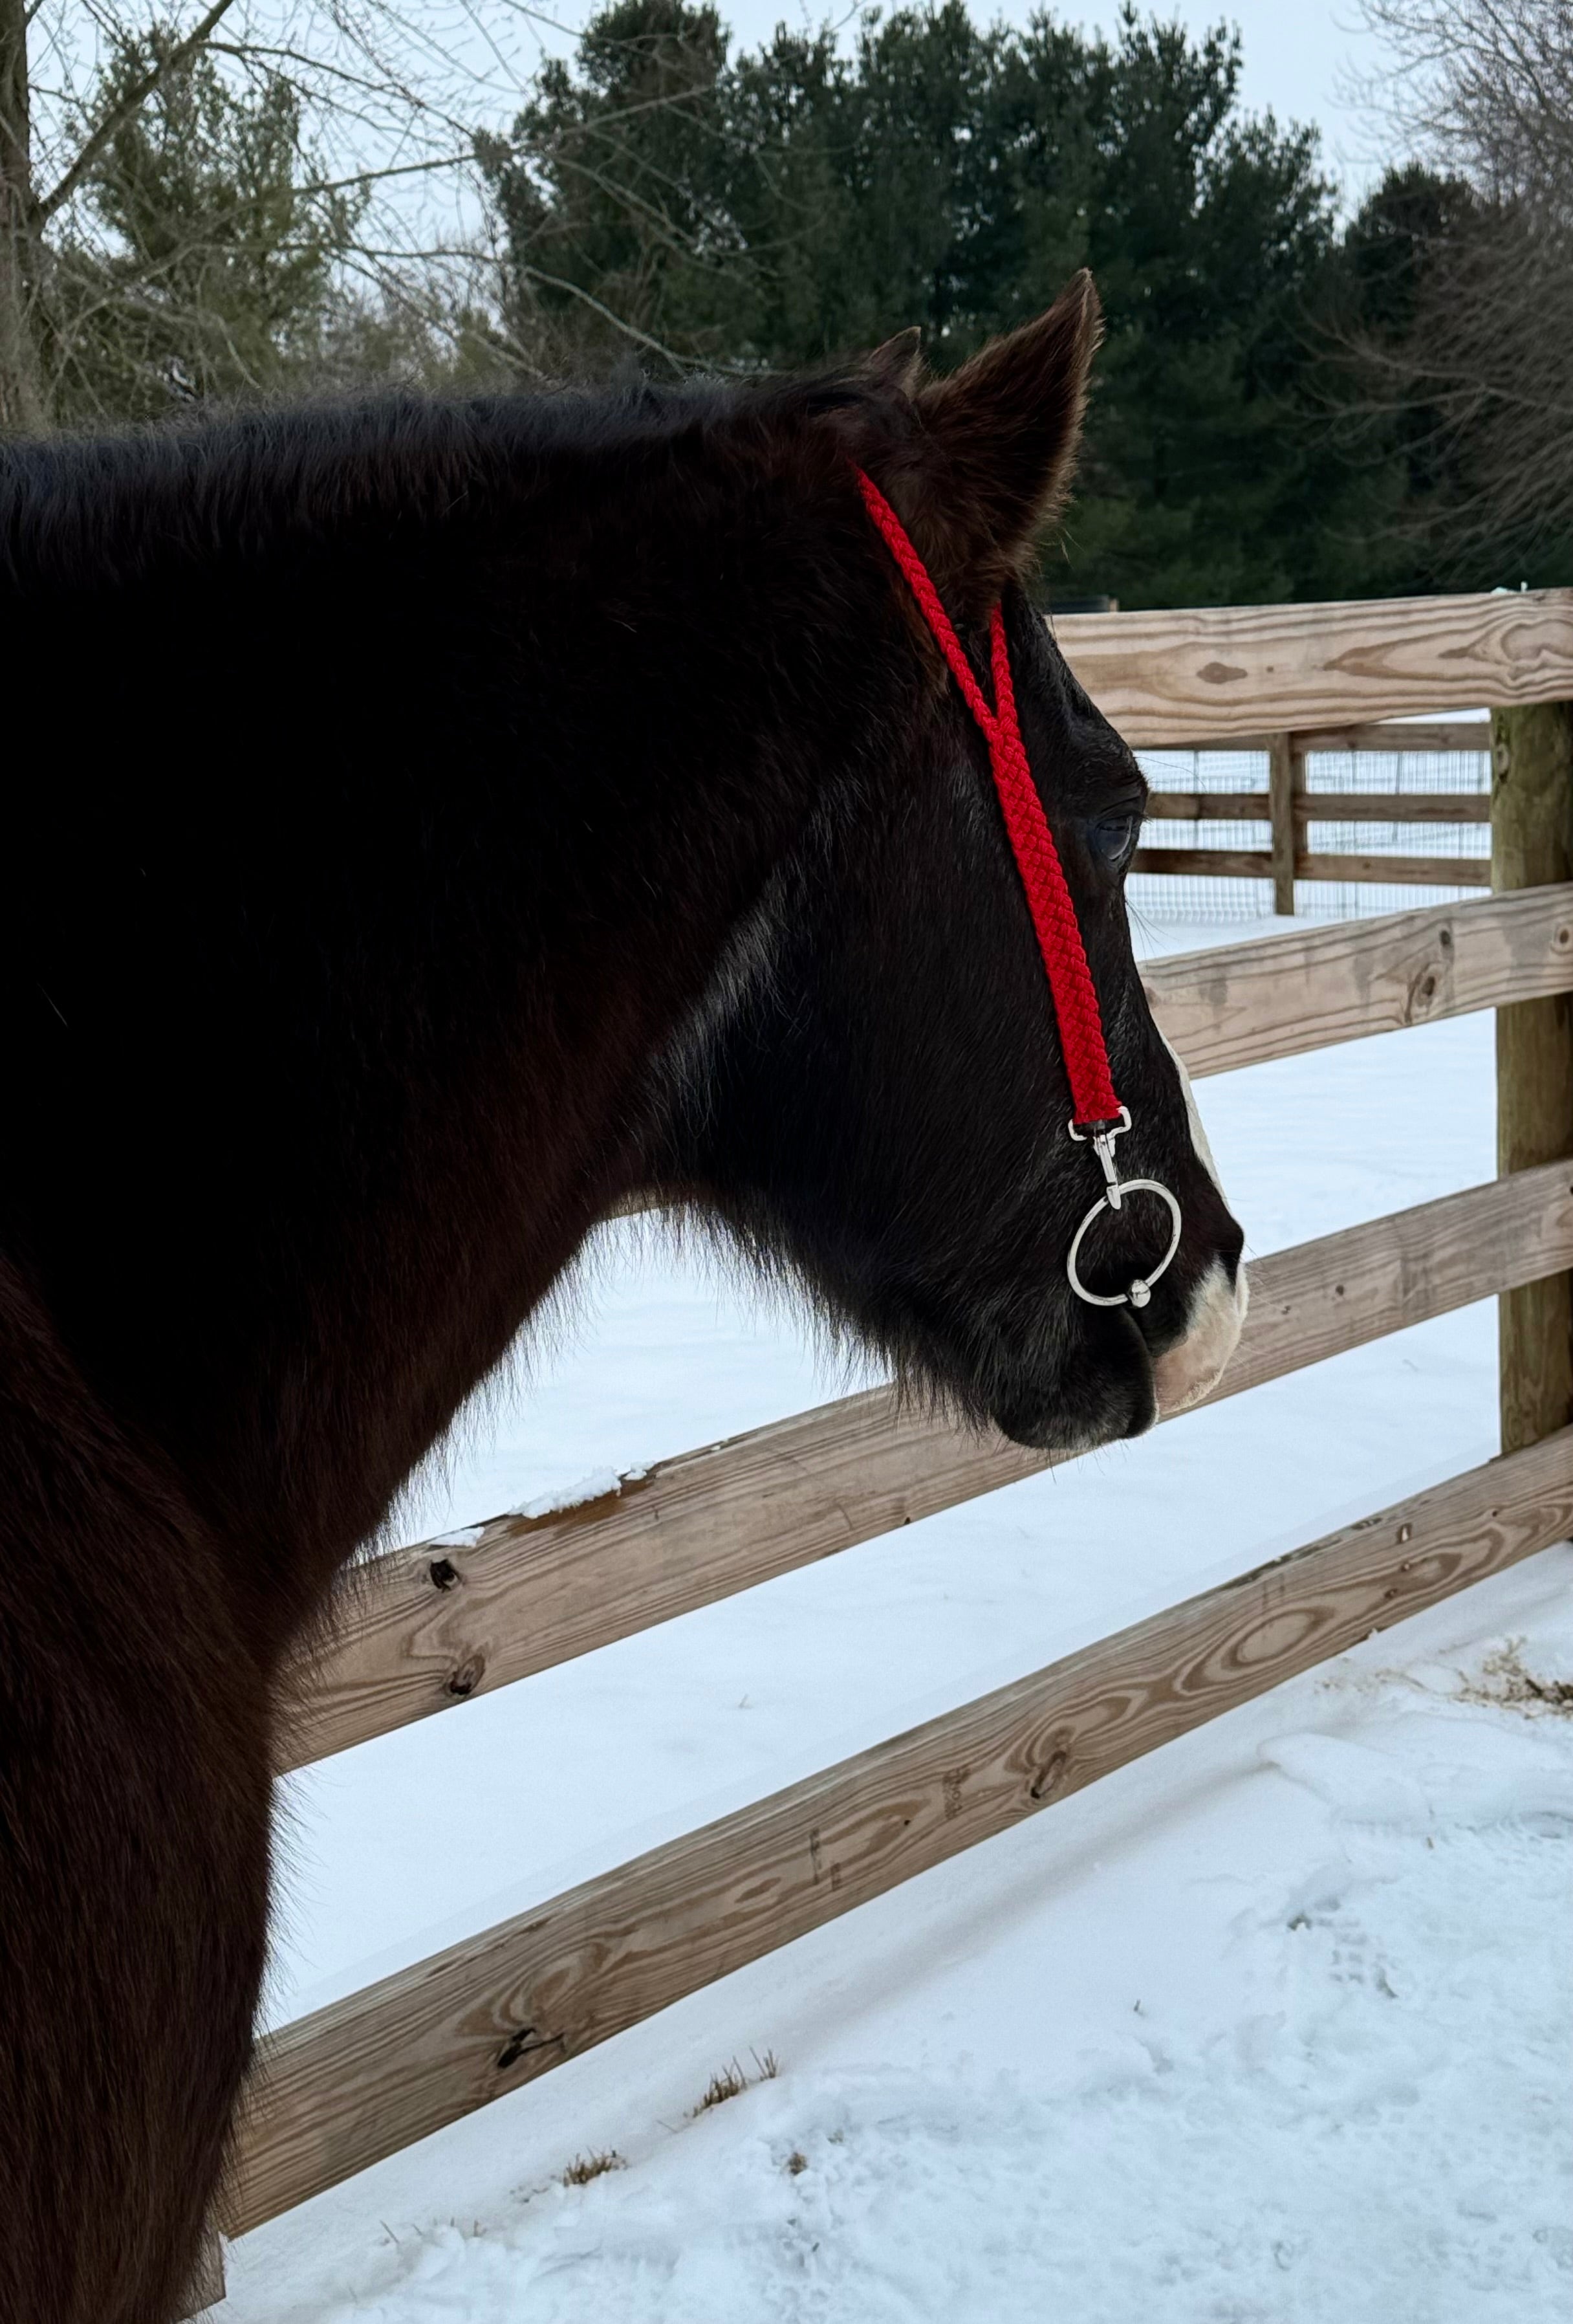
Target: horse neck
[(364, 968)]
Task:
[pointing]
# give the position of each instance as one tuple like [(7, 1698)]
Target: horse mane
[(91, 510)]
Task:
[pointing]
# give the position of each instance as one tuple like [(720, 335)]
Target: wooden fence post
[(1532, 844), (1283, 772)]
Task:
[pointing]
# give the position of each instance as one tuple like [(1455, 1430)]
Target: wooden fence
[(1289, 808), (1210, 681), (428, 1629)]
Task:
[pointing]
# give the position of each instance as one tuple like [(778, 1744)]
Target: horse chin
[(1078, 1412)]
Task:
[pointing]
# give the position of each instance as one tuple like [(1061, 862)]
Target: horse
[(439, 821)]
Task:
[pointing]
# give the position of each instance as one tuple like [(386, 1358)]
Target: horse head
[(875, 1096)]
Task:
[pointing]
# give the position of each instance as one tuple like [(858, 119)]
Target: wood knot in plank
[(524, 2043), (1051, 1776), (1422, 992), (467, 1677)]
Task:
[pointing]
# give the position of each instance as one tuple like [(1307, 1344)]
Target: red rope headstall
[(1095, 1112), (1032, 843)]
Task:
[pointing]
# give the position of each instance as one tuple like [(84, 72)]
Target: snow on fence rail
[(429, 1627)]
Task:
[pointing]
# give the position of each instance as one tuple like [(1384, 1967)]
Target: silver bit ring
[(1141, 1289)]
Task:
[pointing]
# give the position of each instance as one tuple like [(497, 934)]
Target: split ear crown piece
[(1099, 1114)]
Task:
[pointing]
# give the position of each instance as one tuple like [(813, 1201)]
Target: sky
[(1299, 58)]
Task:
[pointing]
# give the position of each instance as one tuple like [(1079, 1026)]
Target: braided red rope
[(1037, 858)]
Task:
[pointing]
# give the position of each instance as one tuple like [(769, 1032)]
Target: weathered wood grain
[(1244, 864), (1320, 806), (1285, 772), (1181, 679), (1532, 839), (1237, 1005), (336, 2091), (432, 1627), (1393, 734), (1392, 806), (1204, 862), (1405, 734), (1206, 807), (1400, 870)]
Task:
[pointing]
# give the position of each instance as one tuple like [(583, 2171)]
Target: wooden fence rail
[(426, 1629), (1383, 734), (1180, 679), (1322, 807), (338, 2090), (1304, 988), (1251, 863), (437, 1626), (430, 1627)]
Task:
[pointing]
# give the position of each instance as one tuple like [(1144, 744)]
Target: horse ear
[(990, 456), (898, 366)]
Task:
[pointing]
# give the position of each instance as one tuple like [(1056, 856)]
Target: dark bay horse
[(431, 823)]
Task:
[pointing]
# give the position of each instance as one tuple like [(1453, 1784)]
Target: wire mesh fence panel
[(1181, 896)]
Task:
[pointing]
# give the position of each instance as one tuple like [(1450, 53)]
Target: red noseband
[(1097, 1113)]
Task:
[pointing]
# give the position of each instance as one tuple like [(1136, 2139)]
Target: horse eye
[(1114, 838)]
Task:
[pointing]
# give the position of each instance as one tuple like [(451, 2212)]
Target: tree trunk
[(23, 408)]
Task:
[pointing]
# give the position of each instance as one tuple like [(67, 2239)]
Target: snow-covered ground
[(1272, 2025)]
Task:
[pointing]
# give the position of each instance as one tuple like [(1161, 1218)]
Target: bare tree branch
[(620, 322), (130, 103), (1479, 375)]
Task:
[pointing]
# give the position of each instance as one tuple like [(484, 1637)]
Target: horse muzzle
[(1192, 1368)]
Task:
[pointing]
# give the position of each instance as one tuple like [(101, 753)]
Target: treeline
[(1274, 413), (781, 207)]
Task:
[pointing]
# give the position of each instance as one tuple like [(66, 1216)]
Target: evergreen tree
[(211, 270), (616, 190), (798, 203)]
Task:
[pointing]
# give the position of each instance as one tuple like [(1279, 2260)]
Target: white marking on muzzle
[(1183, 1375), (1195, 1364)]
